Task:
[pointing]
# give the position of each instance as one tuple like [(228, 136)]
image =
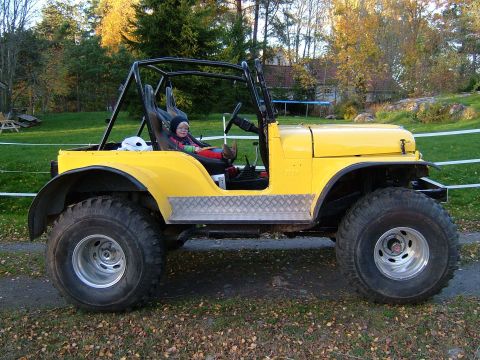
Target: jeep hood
[(351, 140), (345, 140)]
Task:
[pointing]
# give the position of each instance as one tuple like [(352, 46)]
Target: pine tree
[(184, 28)]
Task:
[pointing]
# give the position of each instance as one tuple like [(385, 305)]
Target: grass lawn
[(87, 128)]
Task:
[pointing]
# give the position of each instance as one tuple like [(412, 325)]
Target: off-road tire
[(402, 211), (135, 236)]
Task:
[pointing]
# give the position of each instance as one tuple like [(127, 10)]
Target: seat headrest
[(172, 105), (149, 97), (162, 116)]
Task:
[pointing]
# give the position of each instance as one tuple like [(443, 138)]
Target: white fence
[(247, 137)]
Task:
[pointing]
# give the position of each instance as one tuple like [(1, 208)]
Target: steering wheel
[(232, 118)]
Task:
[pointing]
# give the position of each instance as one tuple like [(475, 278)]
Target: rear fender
[(56, 195)]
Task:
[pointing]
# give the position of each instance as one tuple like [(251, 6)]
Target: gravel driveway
[(304, 267)]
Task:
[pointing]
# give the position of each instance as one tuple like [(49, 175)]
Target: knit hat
[(177, 120)]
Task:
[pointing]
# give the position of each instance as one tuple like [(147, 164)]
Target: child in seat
[(179, 128)]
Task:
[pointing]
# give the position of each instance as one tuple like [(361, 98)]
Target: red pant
[(211, 153)]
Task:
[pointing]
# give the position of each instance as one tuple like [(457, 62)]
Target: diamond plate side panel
[(241, 209)]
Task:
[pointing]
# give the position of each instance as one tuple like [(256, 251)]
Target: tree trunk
[(289, 43), (315, 30), (255, 28), (265, 31), (239, 7), (306, 49)]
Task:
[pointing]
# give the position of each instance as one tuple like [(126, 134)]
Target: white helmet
[(134, 143)]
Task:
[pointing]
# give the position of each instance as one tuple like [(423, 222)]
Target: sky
[(39, 4), (36, 16)]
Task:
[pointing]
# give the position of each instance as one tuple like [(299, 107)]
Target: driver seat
[(158, 119)]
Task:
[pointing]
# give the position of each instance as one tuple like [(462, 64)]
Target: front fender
[(420, 166)]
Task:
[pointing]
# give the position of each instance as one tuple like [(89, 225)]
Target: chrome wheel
[(401, 253), (98, 261)]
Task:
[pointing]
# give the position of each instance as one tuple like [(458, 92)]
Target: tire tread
[(135, 218), (358, 216)]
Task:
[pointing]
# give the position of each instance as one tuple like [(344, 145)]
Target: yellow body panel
[(352, 140), (292, 169)]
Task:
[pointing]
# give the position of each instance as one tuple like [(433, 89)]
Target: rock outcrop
[(364, 118)]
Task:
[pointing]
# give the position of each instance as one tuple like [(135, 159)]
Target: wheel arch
[(76, 185), (364, 178)]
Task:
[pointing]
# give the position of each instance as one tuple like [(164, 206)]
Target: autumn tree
[(60, 27), (305, 79), (29, 69), (426, 56), (116, 22), (354, 43), (416, 43), (62, 67)]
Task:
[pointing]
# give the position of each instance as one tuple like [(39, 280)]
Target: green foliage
[(433, 113), (473, 83), (195, 29), (411, 43), (185, 28), (441, 112), (350, 112), (64, 68), (388, 117), (60, 22), (235, 46), (96, 75)]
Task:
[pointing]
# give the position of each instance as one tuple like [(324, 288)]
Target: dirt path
[(239, 268)]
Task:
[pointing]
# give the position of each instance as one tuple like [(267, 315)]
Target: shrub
[(350, 112), (434, 113), (469, 113), (347, 109)]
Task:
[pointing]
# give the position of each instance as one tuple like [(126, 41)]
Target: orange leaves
[(356, 28), (116, 21)]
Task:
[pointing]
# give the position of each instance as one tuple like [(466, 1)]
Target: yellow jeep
[(113, 212)]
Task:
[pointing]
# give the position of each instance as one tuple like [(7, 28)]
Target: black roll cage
[(263, 105)]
